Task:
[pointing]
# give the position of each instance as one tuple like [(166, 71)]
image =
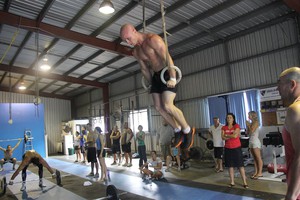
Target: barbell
[(112, 193), (26, 138), (3, 183)]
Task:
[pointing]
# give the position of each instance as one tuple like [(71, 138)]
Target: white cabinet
[(68, 143)]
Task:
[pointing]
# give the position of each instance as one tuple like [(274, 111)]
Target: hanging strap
[(162, 10), (144, 16)]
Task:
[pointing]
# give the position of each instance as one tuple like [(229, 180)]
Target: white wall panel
[(122, 86), (202, 60), (263, 70), (196, 112), (268, 39), (203, 84), (55, 112)]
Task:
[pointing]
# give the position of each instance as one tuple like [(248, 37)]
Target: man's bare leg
[(164, 105), (159, 106), (168, 104)]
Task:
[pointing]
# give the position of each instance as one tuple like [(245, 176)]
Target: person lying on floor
[(155, 163), (36, 159)]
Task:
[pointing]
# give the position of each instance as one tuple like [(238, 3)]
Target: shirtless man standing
[(36, 159), (151, 53), (289, 90)]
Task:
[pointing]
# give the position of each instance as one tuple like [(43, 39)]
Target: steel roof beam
[(33, 93), (62, 33), (69, 79)]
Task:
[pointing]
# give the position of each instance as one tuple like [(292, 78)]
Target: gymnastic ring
[(144, 84), (165, 69)]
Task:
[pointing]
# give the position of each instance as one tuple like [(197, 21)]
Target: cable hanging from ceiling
[(37, 99)]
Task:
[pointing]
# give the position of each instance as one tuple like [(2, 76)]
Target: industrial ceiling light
[(44, 64), (22, 86), (106, 7)]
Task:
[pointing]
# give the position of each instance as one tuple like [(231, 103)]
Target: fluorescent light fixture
[(106, 7), (44, 64), (22, 86)]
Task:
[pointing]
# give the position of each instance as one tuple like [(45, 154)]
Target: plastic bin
[(71, 151)]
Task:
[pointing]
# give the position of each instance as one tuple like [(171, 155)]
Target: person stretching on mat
[(36, 159), (8, 152), (151, 53)]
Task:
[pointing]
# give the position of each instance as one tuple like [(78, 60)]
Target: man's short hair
[(215, 117), (292, 73)]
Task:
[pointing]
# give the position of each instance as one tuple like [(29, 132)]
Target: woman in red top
[(233, 151)]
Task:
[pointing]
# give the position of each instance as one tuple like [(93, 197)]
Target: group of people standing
[(91, 145), (228, 137)]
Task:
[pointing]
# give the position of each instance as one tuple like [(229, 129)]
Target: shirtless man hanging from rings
[(151, 53)]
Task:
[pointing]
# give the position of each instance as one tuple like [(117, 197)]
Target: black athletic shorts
[(76, 147), (218, 152), (126, 147), (92, 154), (103, 153), (115, 148), (158, 86), (8, 160)]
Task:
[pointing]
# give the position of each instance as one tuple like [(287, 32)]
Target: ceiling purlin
[(31, 72), (69, 25), (30, 92), (74, 90), (76, 67), (202, 16), (60, 61), (101, 66), (61, 88), (93, 56), (118, 70), (238, 34), (227, 24), (117, 16), (40, 17), (7, 4), (95, 33), (5, 8)]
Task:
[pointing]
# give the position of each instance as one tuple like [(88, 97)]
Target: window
[(99, 121), (239, 103), (137, 118)]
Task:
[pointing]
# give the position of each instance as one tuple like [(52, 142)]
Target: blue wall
[(25, 116)]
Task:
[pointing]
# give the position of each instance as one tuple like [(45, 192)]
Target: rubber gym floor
[(198, 182)]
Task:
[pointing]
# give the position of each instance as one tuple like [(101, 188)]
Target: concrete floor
[(200, 181)]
